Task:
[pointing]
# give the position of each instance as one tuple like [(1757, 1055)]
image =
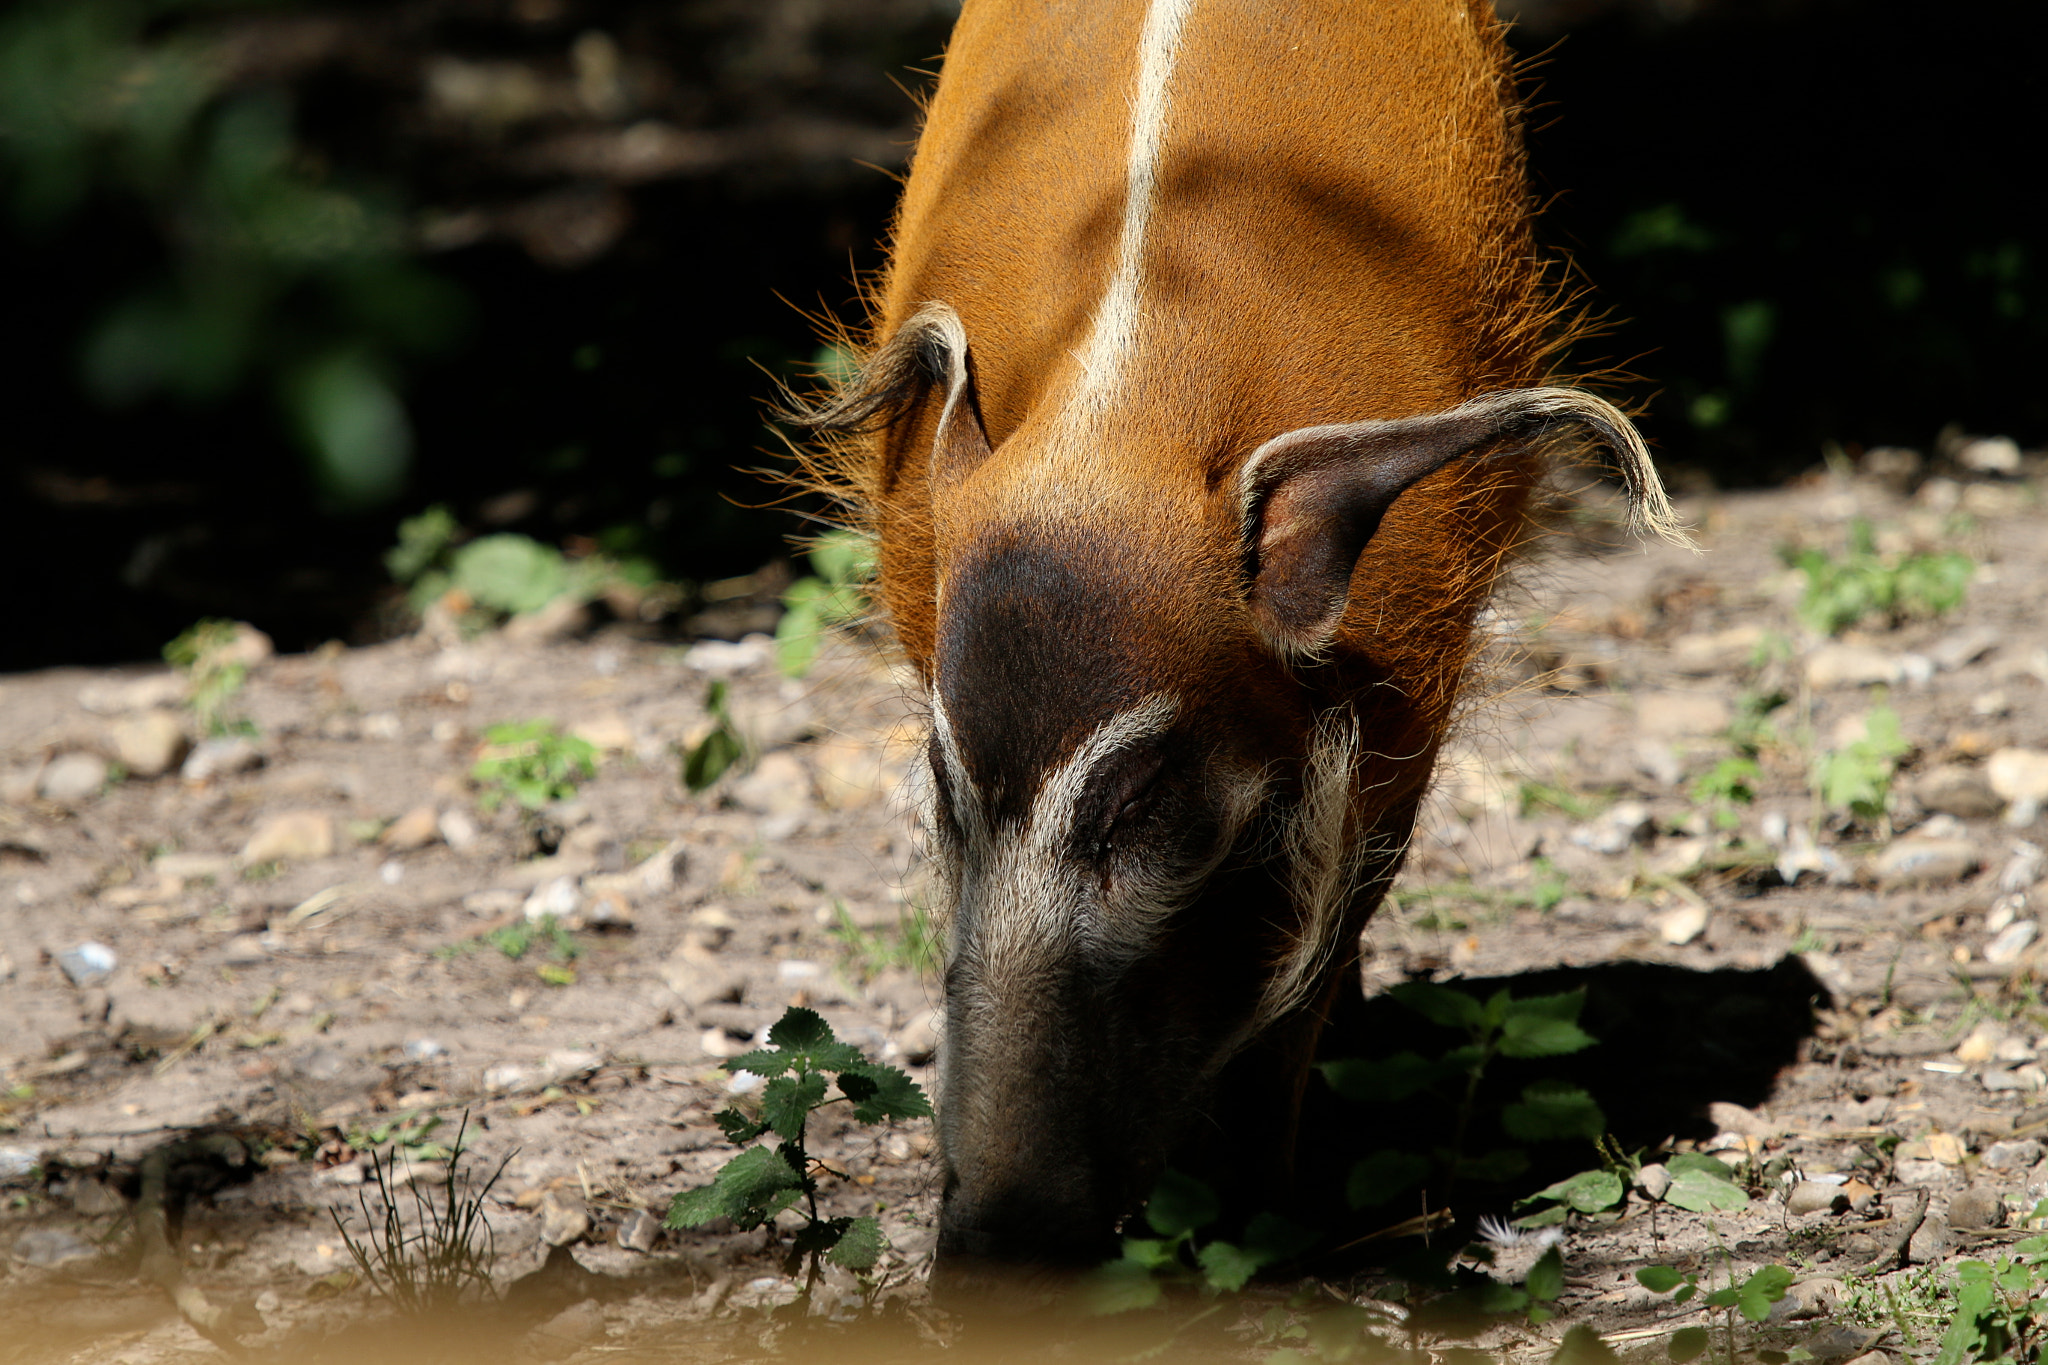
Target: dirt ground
[(223, 990)]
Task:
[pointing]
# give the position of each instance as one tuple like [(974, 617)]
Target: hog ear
[(1311, 499), (928, 352)]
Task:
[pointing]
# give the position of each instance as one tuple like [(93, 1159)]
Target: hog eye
[(1126, 794)]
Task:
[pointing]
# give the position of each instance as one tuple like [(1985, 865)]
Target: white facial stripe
[(1052, 811), (1118, 316)]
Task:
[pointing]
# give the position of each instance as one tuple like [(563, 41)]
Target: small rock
[(1981, 1045), (1680, 858), (50, 1247), (244, 950), (95, 1199), (1733, 1118), (1810, 1196), (18, 1163), (2019, 775), (563, 1221), (221, 757), (699, 981), (509, 1078), (71, 778), (1920, 1171), (1990, 455), (2028, 1077), (1622, 825), (150, 744), (2010, 942), (1711, 653), (133, 694), (88, 964), (1918, 861), (1682, 923), (1946, 1148), (918, 1040), (1681, 715), (778, 785), (1871, 1358), (1932, 1243), (723, 658), (1839, 665), (2017, 1154), (569, 1064), (425, 1050), (415, 829), (1860, 1196), (558, 898), (795, 971), (1841, 1341), (1963, 648), (458, 830), (1958, 790), (2023, 869), (608, 732), (639, 1231), (1653, 1179), (1977, 1208), (294, 836)]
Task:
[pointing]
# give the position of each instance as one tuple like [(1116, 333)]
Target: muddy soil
[(224, 991)]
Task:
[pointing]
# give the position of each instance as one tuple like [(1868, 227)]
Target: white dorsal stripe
[(1118, 316)]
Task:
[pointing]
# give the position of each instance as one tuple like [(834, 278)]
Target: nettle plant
[(763, 1181), (1501, 1026)]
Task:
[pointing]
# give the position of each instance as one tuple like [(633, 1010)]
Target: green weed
[(1856, 779), (532, 763), (506, 574), (831, 595), (764, 1182), (446, 1257), (1180, 1207), (912, 945), (708, 759), (205, 655), (1864, 586), (1502, 1026)]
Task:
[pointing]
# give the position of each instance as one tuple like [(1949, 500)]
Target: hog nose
[(1016, 1235)]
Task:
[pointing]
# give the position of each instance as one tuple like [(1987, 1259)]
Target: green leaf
[(737, 1127), (1583, 1346), (1180, 1203), (1699, 1192), (763, 1062), (1534, 1035), (859, 1246), (1701, 1162), (1379, 1176), (1440, 1004), (1687, 1343), (1387, 1081), (1563, 1007), (800, 1029), (887, 1093), (1226, 1268), (1546, 1277), (1762, 1289), (744, 1190), (1121, 1286), (1588, 1191), (1552, 1110), (1659, 1279), (510, 573), (796, 633), (787, 1101)]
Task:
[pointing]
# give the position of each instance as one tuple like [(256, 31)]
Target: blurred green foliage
[(271, 273), (503, 574)]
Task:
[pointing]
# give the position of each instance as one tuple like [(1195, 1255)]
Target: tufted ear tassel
[(929, 350), (1312, 499)]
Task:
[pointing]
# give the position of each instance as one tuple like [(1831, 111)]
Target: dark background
[(280, 275)]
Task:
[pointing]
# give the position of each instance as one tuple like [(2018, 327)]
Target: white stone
[(70, 778), (1990, 455), (2019, 774), (2011, 941), (150, 744), (1918, 861), (1682, 923), (1839, 665)]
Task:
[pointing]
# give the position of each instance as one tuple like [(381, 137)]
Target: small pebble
[(563, 1221), (88, 964), (48, 1247), (71, 778), (2017, 1154), (1810, 1196), (1977, 1207), (222, 757), (639, 1231)]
